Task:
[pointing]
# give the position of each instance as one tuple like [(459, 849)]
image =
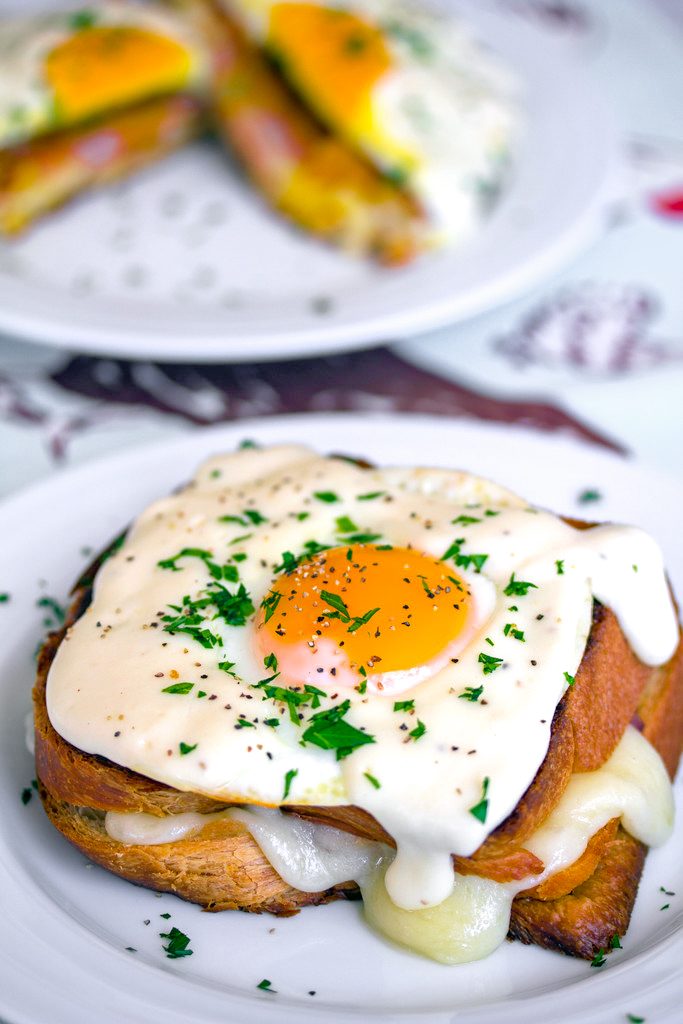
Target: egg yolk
[(333, 56), (108, 66), (356, 612)]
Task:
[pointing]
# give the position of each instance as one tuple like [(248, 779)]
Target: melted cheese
[(105, 691), (474, 919)]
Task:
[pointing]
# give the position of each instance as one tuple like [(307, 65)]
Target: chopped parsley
[(615, 942), (518, 588), (666, 906), (270, 661), (247, 443), (472, 693), (186, 748), (634, 1019), (667, 892), (559, 565), (177, 944), (265, 986), (569, 679), (26, 795), (329, 730), (81, 19), (418, 732), (464, 561), (404, 705), (329, 497), (4, 598), (489, 663), (341, 612), (218, 572), (364, 538), (510, 629), (272, 722), (589, 495), (244, 723), (465, 520), (227, 666), (190, 618), (238, 540), (345, 525), (289, 778), (178, 688), (480, 810), (372, 780), (599, 960), (270, 603), (370, 496)]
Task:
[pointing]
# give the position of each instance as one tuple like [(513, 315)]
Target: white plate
[(184, 263), (66, 926)]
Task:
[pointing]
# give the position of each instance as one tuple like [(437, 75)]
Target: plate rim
[(208, 335), (646, 962)]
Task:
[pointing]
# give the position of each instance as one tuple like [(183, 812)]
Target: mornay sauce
[(440, 793)]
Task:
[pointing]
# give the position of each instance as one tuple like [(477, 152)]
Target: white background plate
[(65, 926), (184, 263)]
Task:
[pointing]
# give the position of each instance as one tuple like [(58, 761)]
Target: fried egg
[(60, 69), (294, 629), (404, 85)]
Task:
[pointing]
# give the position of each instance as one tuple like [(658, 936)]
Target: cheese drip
[(474, 919)]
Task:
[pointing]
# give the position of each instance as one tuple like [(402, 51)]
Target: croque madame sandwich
[(88, 95), (301, 677), (380, 128)]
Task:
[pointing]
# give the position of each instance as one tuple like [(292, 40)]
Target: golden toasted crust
[(584, 921), (221, 868)]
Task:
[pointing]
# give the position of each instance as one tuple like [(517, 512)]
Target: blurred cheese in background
[(61, 69), (404, 85)]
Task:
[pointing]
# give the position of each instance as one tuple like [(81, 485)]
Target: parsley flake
[(599, 960), (289, 778), (265, 986), (471, 693), (510, 629), (345, 525), (518, 588), (404, 705), (559, 565), (178, 688), (418, 732), (569, 679), (372, 780), (177, 944), (480, 810), (270, 603), (329, 497), (589, 495), (489, 663), (186, 748), (370, 496), (329, 730)]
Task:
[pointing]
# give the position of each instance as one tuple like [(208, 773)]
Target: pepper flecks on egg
[(344, 615)]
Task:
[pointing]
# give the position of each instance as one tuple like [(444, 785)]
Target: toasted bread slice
[(43, 174)]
